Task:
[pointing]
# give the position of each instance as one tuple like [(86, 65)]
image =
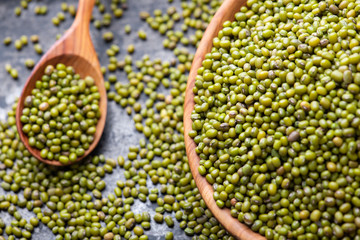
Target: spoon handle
[(77, 39), (83, 15)]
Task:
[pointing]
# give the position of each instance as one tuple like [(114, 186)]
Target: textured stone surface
[(119, 131)]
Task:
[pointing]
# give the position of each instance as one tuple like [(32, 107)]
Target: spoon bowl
[(240, 231), (73, 49)]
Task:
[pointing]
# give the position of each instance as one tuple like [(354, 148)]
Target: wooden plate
[(232, 225)]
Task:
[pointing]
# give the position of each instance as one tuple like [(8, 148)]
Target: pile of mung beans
[(70, 201), (277, 118), (61, 114)]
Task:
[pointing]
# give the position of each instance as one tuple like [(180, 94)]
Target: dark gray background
[(119, 132)]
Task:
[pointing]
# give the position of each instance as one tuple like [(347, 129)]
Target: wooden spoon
[(232, 225), (73, 49)]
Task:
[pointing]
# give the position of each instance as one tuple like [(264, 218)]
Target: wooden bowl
[(232, 225)]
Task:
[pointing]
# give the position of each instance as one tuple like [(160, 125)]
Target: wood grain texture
[(240, 231), (73, 49)]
